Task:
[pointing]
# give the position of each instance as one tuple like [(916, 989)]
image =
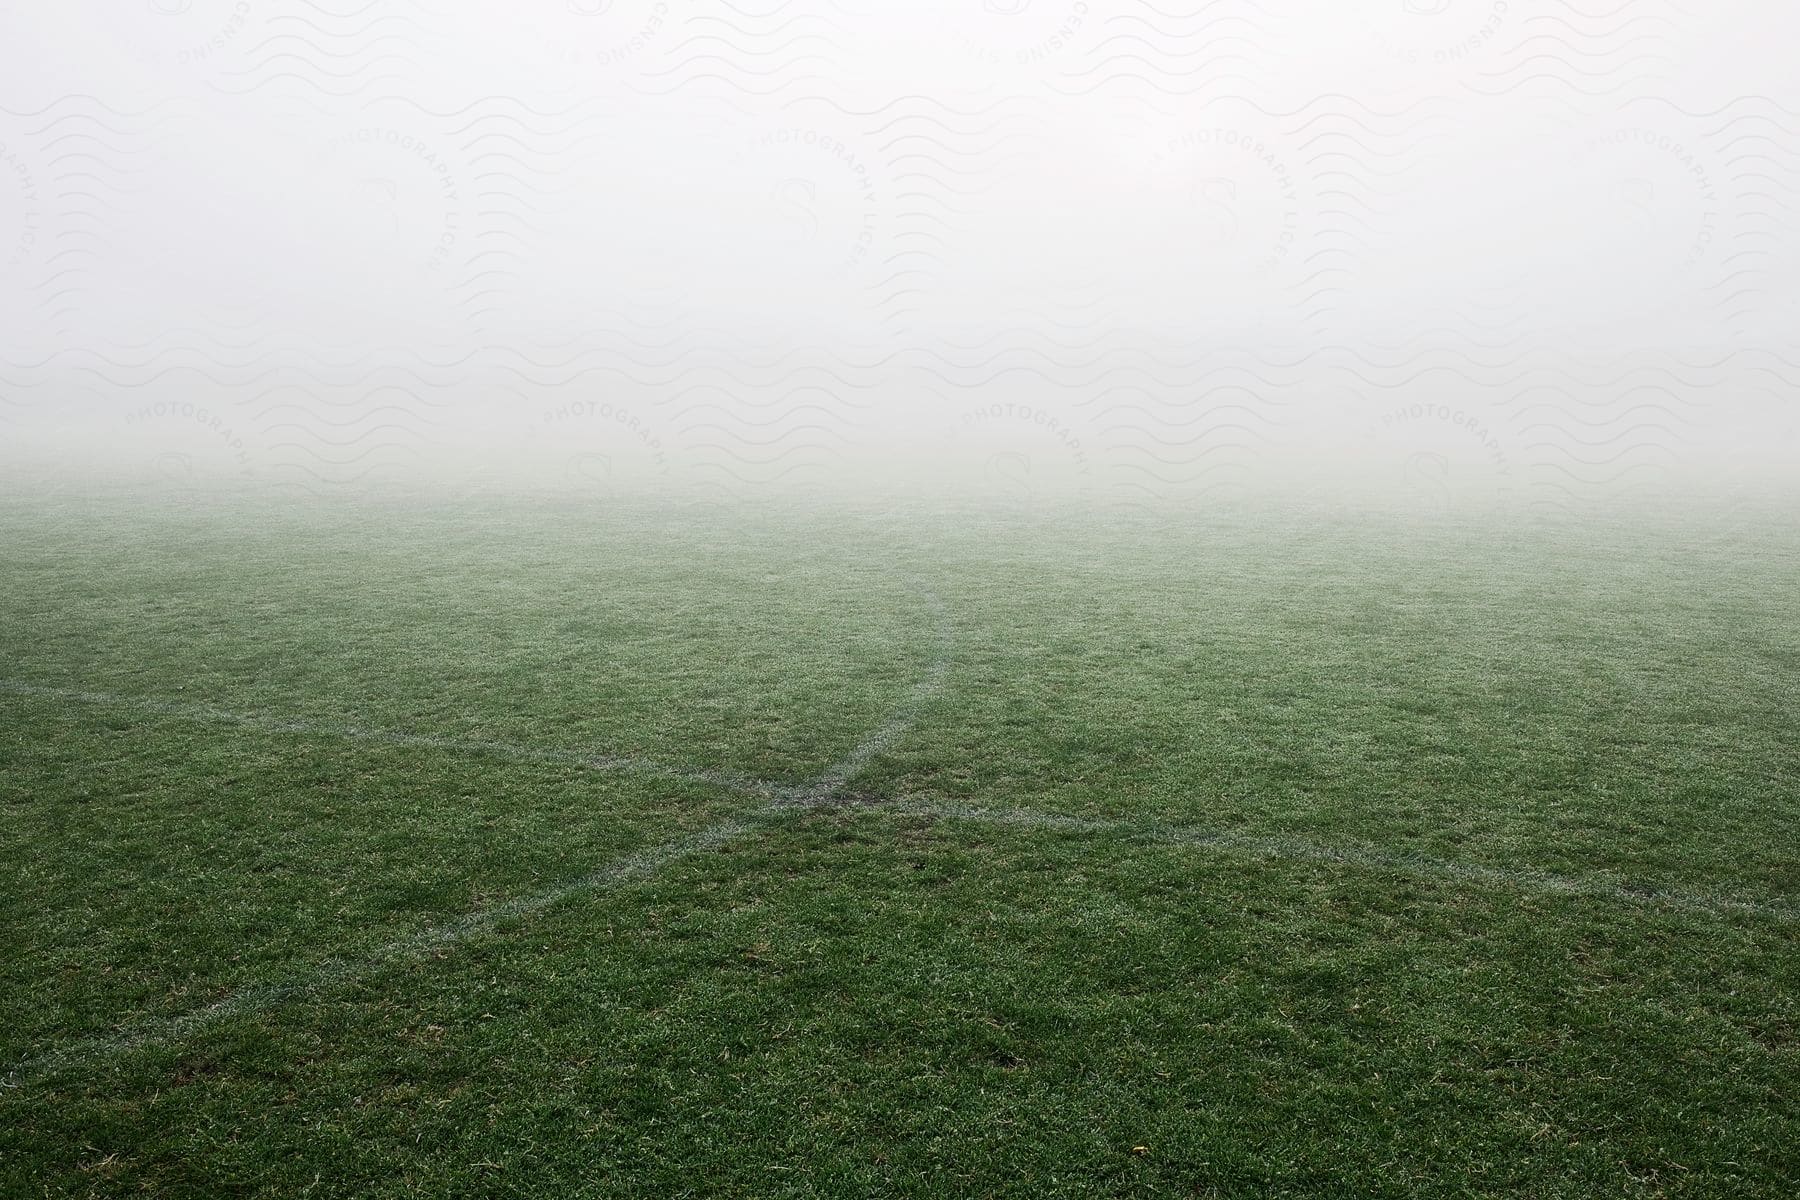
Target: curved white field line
[(1295, 849), (209, 715), (640, 865)]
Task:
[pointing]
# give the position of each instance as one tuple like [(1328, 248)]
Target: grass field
[(509, 847)]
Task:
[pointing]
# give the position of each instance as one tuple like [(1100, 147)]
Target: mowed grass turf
[(529, 847)]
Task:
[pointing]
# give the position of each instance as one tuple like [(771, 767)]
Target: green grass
[(518, 847)]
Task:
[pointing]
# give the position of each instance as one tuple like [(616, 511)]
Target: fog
[(1526, 256)]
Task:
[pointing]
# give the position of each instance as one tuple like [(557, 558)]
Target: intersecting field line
[(823, 793), (644, 863), (1292, 849)]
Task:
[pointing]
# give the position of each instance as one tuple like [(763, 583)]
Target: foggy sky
[(1520, 254)]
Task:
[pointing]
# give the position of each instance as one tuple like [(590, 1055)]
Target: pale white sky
[(758, 244)]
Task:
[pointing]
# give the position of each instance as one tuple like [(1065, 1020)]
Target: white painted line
[(632, 867), (1305, 850), (339, 970), (896, 726), (206, 714)]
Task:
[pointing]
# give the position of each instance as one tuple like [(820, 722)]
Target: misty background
[(1517, 254)]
